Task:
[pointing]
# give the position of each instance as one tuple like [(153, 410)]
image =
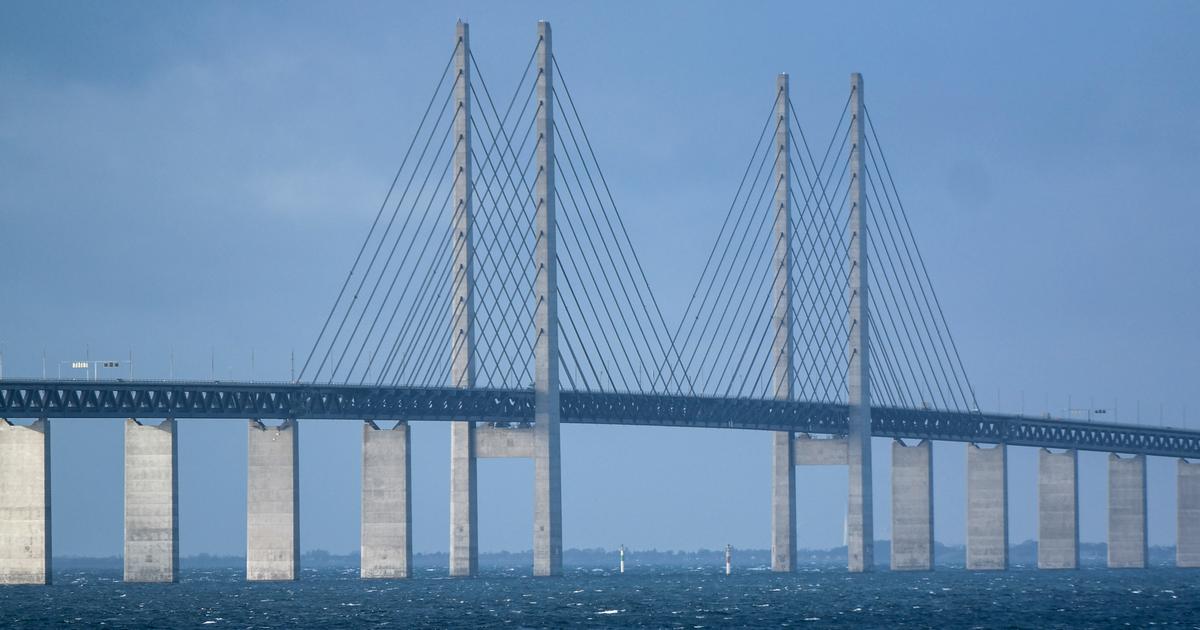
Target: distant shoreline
[(1025, 553)]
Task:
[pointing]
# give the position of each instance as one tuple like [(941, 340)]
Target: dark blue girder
[(35, 398)]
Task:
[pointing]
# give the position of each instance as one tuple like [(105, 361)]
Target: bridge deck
[(36, 398)]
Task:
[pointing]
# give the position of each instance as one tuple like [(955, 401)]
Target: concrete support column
[(25, 503), (1058, 510), (151, 502), (912, 506), (464, 517), (987, 508), (783, 503), (1127, 541), (860, 537), (547, 491), (273, 502), (783, 480), (1187, 544), (464, 501), (386, 502)]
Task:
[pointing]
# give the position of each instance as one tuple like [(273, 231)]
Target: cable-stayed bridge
[(498, 289)]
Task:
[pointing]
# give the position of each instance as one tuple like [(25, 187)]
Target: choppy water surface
[(645, 597)]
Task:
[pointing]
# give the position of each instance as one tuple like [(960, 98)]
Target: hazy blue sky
[(197, 176)]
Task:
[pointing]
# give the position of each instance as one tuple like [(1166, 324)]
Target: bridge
[(39, 398), (498, 290)]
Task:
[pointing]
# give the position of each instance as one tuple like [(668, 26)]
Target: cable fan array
[(614, 333), (726, 334), (915, 362), (393, 318), (391, 323)]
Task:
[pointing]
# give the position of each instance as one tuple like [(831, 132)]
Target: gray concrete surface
[(503, 442), (386, 502), (783, 503), (1127, 540), (25, 549), (860, 536), (272, 502), (1187, 544), (809, 451), (912, 506), (783, 479), (464, 501), (547, 473), (1058, 510), (987, 507), (151, 502), (464, 505)]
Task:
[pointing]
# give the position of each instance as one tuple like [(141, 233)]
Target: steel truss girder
[(172, 399)]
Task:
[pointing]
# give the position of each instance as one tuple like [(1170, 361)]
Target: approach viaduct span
[(789, 331)]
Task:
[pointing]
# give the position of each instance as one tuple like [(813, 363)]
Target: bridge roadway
[(41, 398)]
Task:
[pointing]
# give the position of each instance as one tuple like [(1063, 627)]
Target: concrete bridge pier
[(1058, 510), (386, 502), (783, 503), (791, 450), (484, 441), (1187, 544), (912, 506), (464, 501), (1127, 542), (151, 502), (987, 507), (273, 502), (25, 503)]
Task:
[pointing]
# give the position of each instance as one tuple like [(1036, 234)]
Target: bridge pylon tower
[(541, 442), (783, 372), (464, 504), (859, 526), (547, 494)]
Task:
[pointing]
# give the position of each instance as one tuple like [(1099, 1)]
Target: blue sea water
[(645, 597)]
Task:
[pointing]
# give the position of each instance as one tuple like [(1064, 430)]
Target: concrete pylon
[(547, 489), (987, 508), (151, 502), (25, 503), (1187, 543), (386, 502), (783, 479), (273, 502), (464, 510), (860, 537), (1127, 541), (912, 506)]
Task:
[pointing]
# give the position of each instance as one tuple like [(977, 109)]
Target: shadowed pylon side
[(464, 518), (859, 521), (547, 497), (783, 480)]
